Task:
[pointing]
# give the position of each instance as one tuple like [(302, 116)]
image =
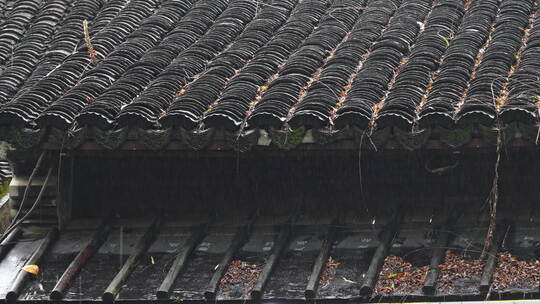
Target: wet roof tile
[(275, 64)]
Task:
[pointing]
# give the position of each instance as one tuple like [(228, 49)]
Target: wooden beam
[(320, 262), (96, 240), (180, 262), (109, 295), (239, 239), (9, 242), (18, 282), (437, 257), (372, 274), (280, 244), (493, 257)]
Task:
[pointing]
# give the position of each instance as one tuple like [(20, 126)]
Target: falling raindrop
[(121, 245), (80, 287)]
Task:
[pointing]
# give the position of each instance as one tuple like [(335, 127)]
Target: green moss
[(4, 189)]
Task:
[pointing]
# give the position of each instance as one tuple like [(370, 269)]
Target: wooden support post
[(64, 190), (320, 263), (180, 262), (277, 249), (9, 242), (491, 263), (97, 239), (239, 239), (13, 293), (377, 261), (140, 249)]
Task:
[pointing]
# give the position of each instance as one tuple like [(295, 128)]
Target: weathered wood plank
[(96, 240), (109, 295), (239, 239), (372, 274), (280, 244), (320, 262), (18, 282), (9, 242), (437, 257), (180, 262)]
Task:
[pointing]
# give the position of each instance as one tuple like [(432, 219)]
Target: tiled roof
[(271, 64)]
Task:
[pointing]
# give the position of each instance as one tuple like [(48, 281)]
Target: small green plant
[(4, 188), (177, 299), (446, 41)]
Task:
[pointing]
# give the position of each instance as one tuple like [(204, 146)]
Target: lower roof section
[(365, 257)]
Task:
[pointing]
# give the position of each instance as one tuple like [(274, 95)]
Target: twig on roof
[(88, 41), (493, 198), (441, 170)]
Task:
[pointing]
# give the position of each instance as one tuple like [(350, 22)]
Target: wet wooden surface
[(353, 249)]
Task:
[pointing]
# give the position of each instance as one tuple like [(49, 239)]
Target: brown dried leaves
[(400, 277), (240, 273), (512, 272), (456, 267), (329, 272)]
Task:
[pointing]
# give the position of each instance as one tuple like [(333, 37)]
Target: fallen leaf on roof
[(392, 275), (349, 281), (33, 269)]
